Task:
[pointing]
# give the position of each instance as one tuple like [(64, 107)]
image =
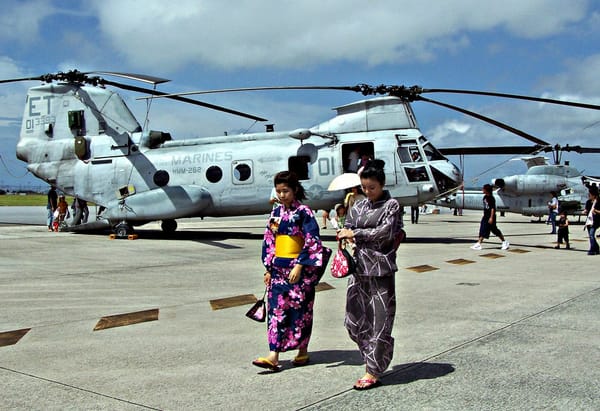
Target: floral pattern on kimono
[(290, 306)]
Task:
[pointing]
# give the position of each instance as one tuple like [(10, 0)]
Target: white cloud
[(20, 20), (308, 33)]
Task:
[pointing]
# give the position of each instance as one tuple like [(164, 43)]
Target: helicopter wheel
[(168, 226), (122, 230)]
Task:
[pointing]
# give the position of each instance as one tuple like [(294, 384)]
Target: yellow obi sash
[(288, 246)]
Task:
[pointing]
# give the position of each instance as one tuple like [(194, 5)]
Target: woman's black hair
[(374, 169), (290, 179), (593, 190)]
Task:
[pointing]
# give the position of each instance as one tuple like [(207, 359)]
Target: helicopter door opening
[(412, 161), (299, 166), (355, 155)]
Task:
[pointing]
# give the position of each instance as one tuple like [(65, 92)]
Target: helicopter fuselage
[(85, 141)]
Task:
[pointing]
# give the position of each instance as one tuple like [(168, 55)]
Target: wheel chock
[(132, 237)]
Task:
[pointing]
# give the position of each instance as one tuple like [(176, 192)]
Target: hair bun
[(378, 164)]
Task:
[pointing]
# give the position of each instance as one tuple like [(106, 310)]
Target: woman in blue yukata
[(292, 254)]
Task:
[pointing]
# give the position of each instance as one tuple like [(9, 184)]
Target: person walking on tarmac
[(488, 221), (51, 206)]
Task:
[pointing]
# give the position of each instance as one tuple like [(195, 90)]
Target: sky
[(540, 48)]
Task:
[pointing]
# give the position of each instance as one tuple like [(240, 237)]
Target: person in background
[(553, 211), (488, 221), (273, 199), (563, 230), (51, 206), (592, 222), (292, 253), (325, 217), (414, 214), (80, 211), (352, 197), (61, 213), (353, 160), (375, 226), (340, 216)]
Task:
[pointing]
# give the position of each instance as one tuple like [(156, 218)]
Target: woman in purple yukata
[(375, 226), (292, 254)]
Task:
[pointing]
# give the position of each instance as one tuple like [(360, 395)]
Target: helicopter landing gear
[(168, 226), (123, 230)]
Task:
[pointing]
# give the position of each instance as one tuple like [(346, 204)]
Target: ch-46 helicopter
[(80, 137), (529, 193)]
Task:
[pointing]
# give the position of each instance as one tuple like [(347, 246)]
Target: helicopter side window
[(242, 172), (416, 174), (214, 174), (299, 165)]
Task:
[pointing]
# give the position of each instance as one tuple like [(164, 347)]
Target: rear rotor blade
[(513, 96), (487, 120), (580, 150), (500, 150)]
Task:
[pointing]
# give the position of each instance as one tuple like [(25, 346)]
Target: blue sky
[(541, 48)]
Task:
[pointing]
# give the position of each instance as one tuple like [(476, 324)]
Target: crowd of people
[(58, 210)]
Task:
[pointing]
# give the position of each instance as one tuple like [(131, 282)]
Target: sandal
[(262, 362), (366, 384), (300, 360)]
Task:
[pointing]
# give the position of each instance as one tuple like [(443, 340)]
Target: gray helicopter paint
[(138, 179), (529, 193)]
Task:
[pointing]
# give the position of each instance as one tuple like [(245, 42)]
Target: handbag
[(321, 270), (258, 312), (343, 262)]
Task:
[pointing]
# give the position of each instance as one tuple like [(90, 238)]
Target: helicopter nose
[(448, 175)]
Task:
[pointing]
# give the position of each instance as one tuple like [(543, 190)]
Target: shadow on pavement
[(410, 372)]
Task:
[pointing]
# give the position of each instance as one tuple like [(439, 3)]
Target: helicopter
[(528, 194), (80, 137)]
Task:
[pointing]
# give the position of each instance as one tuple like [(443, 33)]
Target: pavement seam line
[(417, 364), (37, 377)]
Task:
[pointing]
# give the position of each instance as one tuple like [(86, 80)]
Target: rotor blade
[(183, 99), (12, 80), (487, 120), (232, 90), (506, 150), (133, 76), (580, 150), (513, 96)]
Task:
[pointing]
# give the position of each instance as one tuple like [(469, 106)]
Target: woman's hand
[(345, 233), (267, 278), (294, 276)]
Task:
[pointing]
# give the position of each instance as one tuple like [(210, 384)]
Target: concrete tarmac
[(489, 329)]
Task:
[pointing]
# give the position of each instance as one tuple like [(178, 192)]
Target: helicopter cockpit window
[(299, 165), (409, 152), (432, 153), (416, 174), (214, 174)]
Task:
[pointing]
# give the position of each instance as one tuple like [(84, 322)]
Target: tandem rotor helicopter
[(79, 136), (528, 194)]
